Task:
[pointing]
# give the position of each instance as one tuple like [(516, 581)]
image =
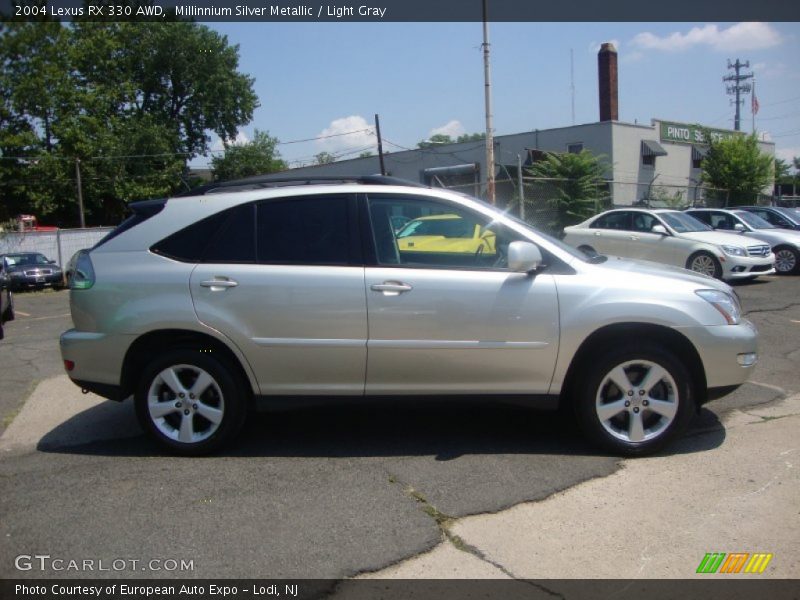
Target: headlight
[(726, 304), (734, 251)]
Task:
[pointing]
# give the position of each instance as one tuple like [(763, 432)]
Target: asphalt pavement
[(324, 493)]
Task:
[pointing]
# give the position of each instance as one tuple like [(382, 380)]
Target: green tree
[(471, 137), (133, 102), (439, 139), (324, 158), (737, 165), (435, 140), (572, 186), (257, 157)]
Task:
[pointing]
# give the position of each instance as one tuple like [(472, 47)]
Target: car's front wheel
[(191, 402), (634, 400), (787, 260), (705, 263)]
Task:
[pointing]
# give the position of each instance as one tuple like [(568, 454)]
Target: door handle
[(597, 233), (217, 285), (634, 237), (391, 288)]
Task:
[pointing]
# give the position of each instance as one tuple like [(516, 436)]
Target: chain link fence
[(59, 245), (552, 204)]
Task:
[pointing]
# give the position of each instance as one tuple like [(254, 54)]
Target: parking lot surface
[(329, 492)]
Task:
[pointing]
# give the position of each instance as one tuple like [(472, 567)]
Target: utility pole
[(572, 82), (80, 190), (487, 78), (520, 184), (738, 86), (380, 143)]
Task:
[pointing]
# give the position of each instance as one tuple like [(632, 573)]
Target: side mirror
[(739, 227), (659, 229), (524, 257)]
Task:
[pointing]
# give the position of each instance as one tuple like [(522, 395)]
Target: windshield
[(21, 260), (683, 223), (753, 221)]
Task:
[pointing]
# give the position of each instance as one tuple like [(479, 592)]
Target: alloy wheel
[(185, 403), (637, 401), (704, 264), (785, 261)]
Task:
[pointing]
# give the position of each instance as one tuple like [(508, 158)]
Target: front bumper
[(723, 350), (32, 281), (745, 267)]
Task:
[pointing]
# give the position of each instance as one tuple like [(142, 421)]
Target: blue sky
[(325, 78)]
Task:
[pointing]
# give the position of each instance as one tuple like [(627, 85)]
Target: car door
[(648, 245), (284, 280), (611, 234), (447, 321)]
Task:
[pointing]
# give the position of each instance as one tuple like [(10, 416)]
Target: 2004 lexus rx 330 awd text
[(261, 290)]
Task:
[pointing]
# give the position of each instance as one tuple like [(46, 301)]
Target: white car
[(785, 243), (673, 238)]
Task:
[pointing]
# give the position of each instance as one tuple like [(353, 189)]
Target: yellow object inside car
[(446, 233)]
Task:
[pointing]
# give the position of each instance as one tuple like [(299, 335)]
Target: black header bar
[(375, 11)]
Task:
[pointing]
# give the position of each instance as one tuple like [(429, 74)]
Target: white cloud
[(742, 36), (339, 136), (452, 128)]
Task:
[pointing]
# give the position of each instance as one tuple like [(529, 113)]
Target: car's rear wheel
[(191, 402), (634, 400), (8, 313), (787, 260), (705, 263)]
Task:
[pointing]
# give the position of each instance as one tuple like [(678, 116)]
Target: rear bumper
[(96, 358)]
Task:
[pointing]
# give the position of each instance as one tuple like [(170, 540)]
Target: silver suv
[(266, 291)]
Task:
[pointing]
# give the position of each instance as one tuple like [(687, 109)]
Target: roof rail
[(270, 181)]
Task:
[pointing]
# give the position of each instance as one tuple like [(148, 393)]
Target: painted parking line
[(61, 316), (20, 313)]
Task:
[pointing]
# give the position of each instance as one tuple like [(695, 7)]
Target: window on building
[(698, 154), (650, 150), (576, 148)]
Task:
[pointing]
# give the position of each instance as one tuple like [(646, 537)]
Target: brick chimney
[(607, 74)]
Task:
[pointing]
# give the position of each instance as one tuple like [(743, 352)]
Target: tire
[(8, 313), (787, 260), (187, 425), (705, 263), (655, 412)]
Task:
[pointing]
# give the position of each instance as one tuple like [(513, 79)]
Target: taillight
[(69, 365), (80, 271)]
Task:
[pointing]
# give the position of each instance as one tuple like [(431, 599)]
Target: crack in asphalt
[(771, 310), (444, 523)]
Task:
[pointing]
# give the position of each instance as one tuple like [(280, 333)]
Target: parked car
[(6, 302), (779, 216), (445, 233), (268, 292), (673, 238), (30, 270), (785, 243)]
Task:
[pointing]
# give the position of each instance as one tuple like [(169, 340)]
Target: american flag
[(754, 103)]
